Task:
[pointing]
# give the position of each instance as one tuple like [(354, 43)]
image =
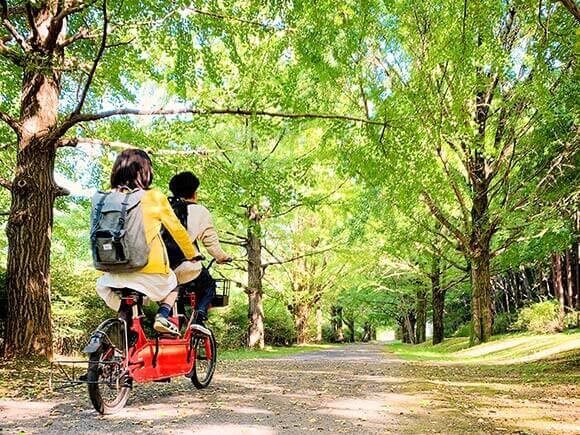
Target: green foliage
[(572, 320), (278, 324), (76, 308), (230, 325), (541, 318), (463, 331), (502, 323)]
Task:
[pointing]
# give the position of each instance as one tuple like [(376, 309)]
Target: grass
[(549, 358), (270, 352)]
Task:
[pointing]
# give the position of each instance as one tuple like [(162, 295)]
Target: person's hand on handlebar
[(224, 260)]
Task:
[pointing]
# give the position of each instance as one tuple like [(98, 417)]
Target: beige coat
[(200, 227)]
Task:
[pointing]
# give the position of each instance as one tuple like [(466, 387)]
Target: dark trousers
[(204, 287)]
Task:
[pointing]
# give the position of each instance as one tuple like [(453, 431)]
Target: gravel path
[(353, 389)]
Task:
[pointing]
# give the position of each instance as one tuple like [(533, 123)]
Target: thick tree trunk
[(438, 301), (254, 290), (480, 240), (421, 308), (28, 323), (481, 299), (318, 324), (301, 311)]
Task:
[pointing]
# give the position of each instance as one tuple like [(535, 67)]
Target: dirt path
[(353, 389)]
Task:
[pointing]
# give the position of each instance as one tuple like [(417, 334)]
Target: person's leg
[(205, 291), (162, 322)]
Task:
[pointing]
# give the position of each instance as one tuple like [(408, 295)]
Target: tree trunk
[(29, 228), (558, 284), (438, 301), (481, 299), (421, 308), (254, 290), (301, 312), (408, 327), (318, 324), (337, 328), (350, 325), (569, 283)]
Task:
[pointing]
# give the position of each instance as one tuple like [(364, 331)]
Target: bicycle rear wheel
[(205, 361), (108, 382)]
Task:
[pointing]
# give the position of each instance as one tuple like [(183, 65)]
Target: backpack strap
[(121, 223), (98, 210)]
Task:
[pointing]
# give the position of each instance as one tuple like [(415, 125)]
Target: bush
[(76, 308), (502, 323), (279, 327), (541, 318), (463, 331), (230, 325), (572, 320)]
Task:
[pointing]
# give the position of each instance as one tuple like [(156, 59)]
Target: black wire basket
[(222, 293)]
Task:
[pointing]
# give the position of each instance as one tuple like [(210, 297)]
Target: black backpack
[(176, 256)]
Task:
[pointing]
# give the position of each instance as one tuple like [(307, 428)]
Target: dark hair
[(184, 185), (132, 169)]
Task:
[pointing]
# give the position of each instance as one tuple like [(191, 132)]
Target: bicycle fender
[(95, 342)]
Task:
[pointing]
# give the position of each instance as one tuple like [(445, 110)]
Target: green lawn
[(549, 358), (506, 348), (270, 351)]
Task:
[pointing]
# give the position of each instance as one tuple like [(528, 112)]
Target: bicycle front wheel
[(205, 361)]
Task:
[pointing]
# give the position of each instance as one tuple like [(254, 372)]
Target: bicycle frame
[(160, 357)]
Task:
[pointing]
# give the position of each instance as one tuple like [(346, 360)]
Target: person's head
[(184, 185), (132, 169)]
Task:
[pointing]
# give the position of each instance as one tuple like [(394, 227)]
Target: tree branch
[(239, 20), (10, 54), (274, 148), (95, 62), (12, 123), (456, 190), (298, 257), (120, 146), (7, 184), (301, 204), (74, 119), (436, 211), (11, 29), (572, 8)]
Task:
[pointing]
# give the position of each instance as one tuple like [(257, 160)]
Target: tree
[(470, 84), (70, 56)]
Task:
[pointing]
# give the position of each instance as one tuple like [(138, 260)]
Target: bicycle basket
[(222, 293)]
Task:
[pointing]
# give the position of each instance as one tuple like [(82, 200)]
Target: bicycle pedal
[(198, 329)]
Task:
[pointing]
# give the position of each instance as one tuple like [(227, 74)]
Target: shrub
[(502, 323), (572, 320), (279, 327), (230, 325), (463, 331), (76, 308), (541, 318)]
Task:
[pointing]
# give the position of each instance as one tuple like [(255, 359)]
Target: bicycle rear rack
[(69, 374)]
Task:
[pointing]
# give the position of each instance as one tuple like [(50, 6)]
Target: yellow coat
[(156, 211)]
